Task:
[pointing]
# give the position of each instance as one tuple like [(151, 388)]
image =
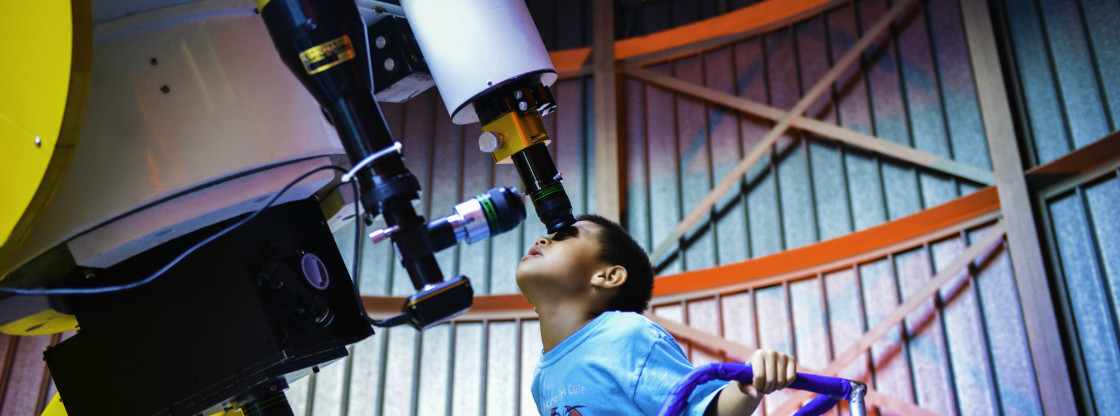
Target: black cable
[(173, 262), (358, 223), (358, 252)]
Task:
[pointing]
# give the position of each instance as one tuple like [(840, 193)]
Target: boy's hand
[(772, 371)]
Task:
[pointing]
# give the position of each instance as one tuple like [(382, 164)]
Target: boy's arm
[(772, 371)]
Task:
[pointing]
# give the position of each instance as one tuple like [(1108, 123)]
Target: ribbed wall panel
[(913, 88), (1087, 244), (1067, 72), (1065, 69), (25, 383)]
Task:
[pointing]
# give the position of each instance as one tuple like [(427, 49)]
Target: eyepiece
[(486, 215), (543, 182)]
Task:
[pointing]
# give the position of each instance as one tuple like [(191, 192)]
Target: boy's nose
[(543, 241)]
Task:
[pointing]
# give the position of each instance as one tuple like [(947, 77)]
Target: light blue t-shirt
[(619, 364)]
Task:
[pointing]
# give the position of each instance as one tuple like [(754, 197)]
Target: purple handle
[(832, 389)]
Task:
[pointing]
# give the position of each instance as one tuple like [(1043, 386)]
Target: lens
[(486, 215), (539, 175)]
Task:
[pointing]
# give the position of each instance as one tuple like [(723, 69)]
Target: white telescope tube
[(473, 46)]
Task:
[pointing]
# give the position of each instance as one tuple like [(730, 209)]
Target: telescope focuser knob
[(489, 142)]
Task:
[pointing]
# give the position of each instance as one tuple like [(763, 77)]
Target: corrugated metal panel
[(914, 88), (964, 352), (1064, 66), (1067, 67), (25, 382), (1087, 242)]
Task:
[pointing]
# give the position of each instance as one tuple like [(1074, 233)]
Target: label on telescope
[(326, 55)]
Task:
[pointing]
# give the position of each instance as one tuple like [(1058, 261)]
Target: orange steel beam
[(766, 142), (829, 130), (1082, 160), (949, 273), (954, 212), (743, 353), (1080, 166), (787, 263), (756, 18)]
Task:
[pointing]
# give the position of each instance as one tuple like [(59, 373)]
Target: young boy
[(590, 283)]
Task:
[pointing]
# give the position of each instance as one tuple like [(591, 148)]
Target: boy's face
[(566, 261)]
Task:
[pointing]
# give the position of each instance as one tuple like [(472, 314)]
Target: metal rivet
[(390, 64), (38, 141), (523, 106), (165, 89), (518, 94), (380, 42)]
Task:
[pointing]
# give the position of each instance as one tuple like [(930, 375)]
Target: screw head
[(380, 42), (165, 89), (390, 64), (38, 141), (523, 106), (489, 142)]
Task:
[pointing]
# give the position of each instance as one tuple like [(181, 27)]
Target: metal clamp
[(396, 147), (856, 405), (380, 235)]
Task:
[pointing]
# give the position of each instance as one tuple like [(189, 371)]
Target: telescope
[(212, 291)]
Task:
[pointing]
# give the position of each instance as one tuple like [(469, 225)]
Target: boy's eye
[(564, 233)]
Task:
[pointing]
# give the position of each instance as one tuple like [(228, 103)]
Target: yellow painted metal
[(47, 47), (47, 321), (516, 131), (34, 84), (55, 408)]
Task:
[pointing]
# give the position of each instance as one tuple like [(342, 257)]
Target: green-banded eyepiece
[(486, 215)]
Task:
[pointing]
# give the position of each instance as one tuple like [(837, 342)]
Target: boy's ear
[(610, 277)]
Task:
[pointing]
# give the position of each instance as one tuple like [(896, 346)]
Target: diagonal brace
[(764, 145), (952, 271), (829, 130)]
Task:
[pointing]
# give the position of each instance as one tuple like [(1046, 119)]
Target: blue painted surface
[(1090, 284)]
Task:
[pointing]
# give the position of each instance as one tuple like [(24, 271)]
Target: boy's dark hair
[(616, 246)]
